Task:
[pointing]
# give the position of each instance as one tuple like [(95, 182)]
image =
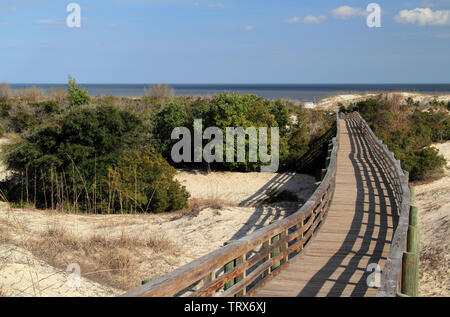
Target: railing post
[(228, 267), (240, 260), (208, 279), (267, 258), (284, 247), (411, 258), (275, 252), (300, 238)]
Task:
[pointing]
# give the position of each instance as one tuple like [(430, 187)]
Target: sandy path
[(433, 201)]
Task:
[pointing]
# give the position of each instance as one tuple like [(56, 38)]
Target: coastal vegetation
[(408, 130), (77, 153)]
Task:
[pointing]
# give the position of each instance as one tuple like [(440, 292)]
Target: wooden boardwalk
[(357, 232)]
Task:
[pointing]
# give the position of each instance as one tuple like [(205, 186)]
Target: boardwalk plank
[(357, 232)]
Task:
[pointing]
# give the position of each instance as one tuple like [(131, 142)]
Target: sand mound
[(244, 189), (433, 201), (332, 103)]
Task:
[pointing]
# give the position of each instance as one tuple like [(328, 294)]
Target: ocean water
[(301, 92)]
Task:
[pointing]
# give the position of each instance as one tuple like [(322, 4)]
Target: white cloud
[(249, 27), (423, 16), (346, 12), (310, 19)]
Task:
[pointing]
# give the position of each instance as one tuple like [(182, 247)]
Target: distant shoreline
[(300, 92)]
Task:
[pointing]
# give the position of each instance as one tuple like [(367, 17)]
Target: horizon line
[(238, 84)]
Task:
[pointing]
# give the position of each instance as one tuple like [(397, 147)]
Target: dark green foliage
[(408, 132), (423, 163), (147, 179), (22, 121), (76, 156), (46, 107), (4, 109), (171, 116), (76, 96)]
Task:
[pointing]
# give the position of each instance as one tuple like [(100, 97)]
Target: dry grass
[(197, 205), (113, 261), (33, 94), (5, 92), (58, 94)]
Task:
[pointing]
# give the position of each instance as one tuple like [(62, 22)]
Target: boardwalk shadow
[(367, 236), (265, 212)]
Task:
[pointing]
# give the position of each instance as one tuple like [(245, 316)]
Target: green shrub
[(173, 115), (408, 132), (76, 96), (79, 148), (47, 107), (425, 163), (146, 181), (22, 121), (4, 109)]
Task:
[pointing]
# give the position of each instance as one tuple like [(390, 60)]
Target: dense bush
[(144, 181), (4, 109), (72, 157), (234, 110), (46, 107), (173, 115), (21, 121), (408, 132)]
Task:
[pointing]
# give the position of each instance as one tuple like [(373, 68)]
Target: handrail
[(392, 272), (258, 257)]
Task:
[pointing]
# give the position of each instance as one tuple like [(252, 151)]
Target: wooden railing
[(391, 277), (254, 260)]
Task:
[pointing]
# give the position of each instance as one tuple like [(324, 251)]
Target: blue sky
[(226, 41)]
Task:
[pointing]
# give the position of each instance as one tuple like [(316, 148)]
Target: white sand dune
[(433, 201), (332, 103)]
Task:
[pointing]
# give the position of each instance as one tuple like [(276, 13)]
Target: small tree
[(76, 96)]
